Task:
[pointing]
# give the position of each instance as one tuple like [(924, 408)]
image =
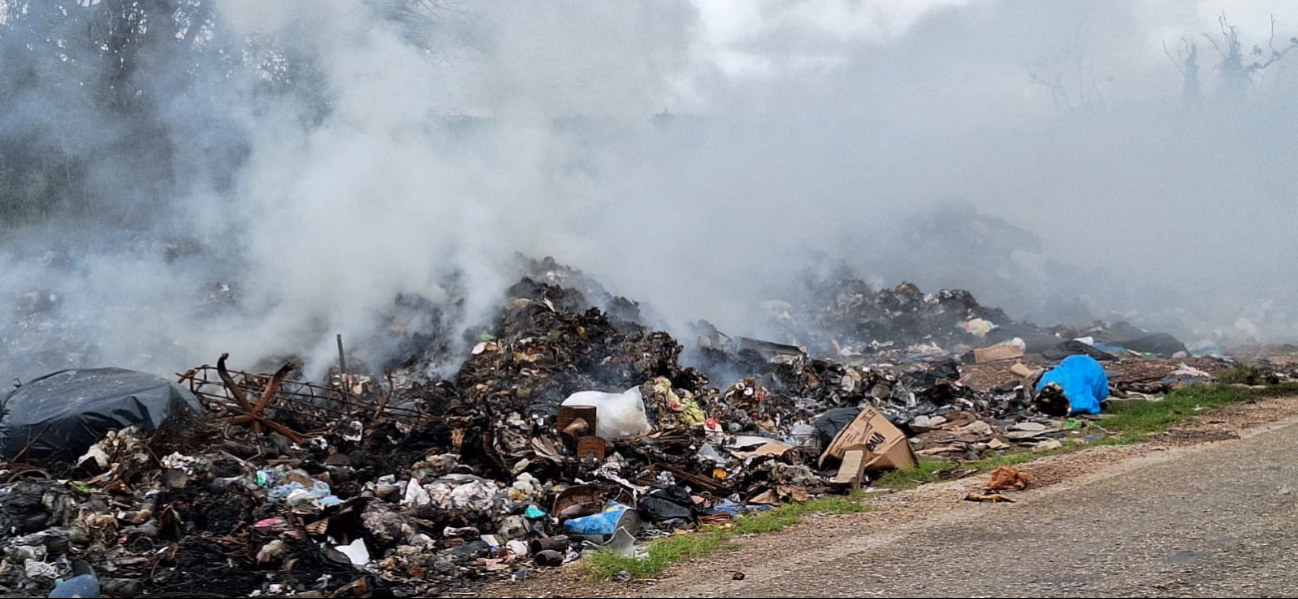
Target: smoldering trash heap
[(565, 426)]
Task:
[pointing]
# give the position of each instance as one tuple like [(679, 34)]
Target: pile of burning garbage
[(567, 428)]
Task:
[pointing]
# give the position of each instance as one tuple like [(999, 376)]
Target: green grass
[(1247, 374), (925, 472), (604, 565), (790, 514), (1009, 458), (1137, 420)]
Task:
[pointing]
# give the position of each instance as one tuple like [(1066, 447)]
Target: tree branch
[(1214, 45), (1276, 55), (1175, 63)]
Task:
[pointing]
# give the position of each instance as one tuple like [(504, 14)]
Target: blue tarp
[(1083, 382)]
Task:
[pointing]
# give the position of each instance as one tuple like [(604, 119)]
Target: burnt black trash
[(1073, 347), (557, 543), (549, 559), (1126, 336), (662, 505), (70, 410)]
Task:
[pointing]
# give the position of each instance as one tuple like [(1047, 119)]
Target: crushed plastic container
[(600, 528), (320, 489), (283, 492), (84, 582), (804, 435)]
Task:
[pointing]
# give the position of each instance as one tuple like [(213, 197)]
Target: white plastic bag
[(618, 414)]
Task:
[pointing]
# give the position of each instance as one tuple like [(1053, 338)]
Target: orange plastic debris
[(1007, 477)]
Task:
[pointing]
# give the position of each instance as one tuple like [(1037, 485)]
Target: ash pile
[(567, 428)]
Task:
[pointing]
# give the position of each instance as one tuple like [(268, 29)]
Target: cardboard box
[(568, 414), (883, 446), (1004, 351), (853, 467), (591, 446)]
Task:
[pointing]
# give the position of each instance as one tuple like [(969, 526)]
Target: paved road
[(1211, 521)]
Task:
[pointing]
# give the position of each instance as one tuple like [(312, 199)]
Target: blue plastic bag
[(83, 583), (1083, 382), (86, 585)]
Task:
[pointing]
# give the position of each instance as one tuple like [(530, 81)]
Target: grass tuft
[(925, 471), (1248, 374), (604, 565)]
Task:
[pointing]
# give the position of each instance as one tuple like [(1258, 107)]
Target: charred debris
[(569, 425)]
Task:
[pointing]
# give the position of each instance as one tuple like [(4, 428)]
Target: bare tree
[(1237, 70), (1187, 63), (1069, 74), (1055, 83), (1072, 83)]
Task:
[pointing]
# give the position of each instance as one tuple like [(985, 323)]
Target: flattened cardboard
[(853, 467), (1004, 351)]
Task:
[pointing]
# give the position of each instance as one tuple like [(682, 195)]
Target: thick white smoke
[(694, 156)]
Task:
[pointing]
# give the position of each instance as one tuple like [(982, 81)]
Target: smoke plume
[(181, 178)]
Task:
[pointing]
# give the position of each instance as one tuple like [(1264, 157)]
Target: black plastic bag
[(70, 410), (1160, 344), (671, 503), (830, 423), (1075, 348)]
